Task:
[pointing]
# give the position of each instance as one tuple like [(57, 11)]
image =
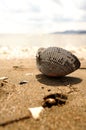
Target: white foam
[(30, 52), (17, 52), (26, 46)]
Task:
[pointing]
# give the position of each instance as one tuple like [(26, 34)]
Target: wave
[(30, 52)]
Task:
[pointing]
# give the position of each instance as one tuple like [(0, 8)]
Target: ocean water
[(26, 45)]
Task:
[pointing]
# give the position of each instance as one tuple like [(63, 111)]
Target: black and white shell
[(55, 61)]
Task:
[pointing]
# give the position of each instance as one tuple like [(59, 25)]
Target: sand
[(16, 98)]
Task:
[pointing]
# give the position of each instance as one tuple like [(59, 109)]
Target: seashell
[(3, 78), (56, 62), (36, 111)]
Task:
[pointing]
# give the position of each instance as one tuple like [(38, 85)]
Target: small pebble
[(42, 87), (49, 90), (23, 82), (49, 102), (15, 66)]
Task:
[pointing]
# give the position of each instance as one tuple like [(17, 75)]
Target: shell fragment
[(35, 111)]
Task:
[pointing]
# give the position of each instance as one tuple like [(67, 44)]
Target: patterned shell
[(54, 61)]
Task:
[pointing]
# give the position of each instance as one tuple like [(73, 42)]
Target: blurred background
[(26, 25), (42, 16)]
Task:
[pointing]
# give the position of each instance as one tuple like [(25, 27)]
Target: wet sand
[(16, 98)]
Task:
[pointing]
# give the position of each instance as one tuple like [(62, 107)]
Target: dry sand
[(15, 99)]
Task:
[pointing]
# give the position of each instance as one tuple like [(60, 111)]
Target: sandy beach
[(50, 35), (16, 97)]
